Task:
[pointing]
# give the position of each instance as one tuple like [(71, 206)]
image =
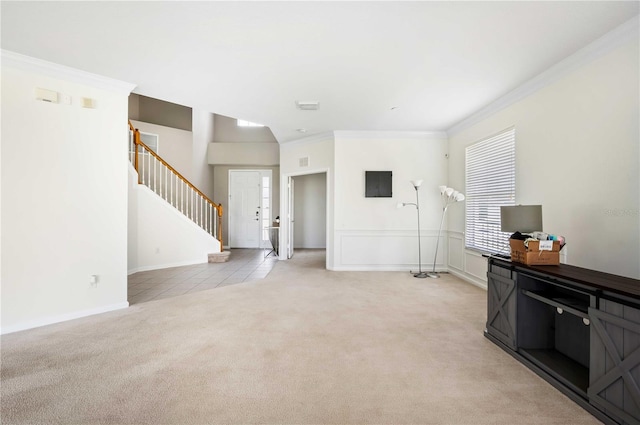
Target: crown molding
[(429, 135), (320, 137), (627, 32), (54, 70)]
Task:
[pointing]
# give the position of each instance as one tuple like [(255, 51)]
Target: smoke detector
[(308, 105)]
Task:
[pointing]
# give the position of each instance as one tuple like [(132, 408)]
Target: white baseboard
[(166, 266), (62, 318), (385, 268), (467, 278)]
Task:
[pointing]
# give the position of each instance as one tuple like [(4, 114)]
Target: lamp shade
[(416, 183)]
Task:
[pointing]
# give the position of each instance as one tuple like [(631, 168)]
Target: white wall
[(162, 236), (227, 131), (132, 221), (202, 135), (64, 195), (256, 154), (319, 150), (156, 111), (372, 233), (310, 229), (577, 154)]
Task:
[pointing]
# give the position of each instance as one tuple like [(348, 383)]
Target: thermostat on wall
[(46, 95)]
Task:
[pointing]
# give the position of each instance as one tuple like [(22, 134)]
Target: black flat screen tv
[(378, 184)]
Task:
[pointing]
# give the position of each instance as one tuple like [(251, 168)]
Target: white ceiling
[(437, 62)]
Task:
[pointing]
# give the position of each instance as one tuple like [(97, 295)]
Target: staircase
[(166, 182)]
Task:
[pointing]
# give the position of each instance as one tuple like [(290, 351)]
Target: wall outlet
[(93, 280), (157, 250)]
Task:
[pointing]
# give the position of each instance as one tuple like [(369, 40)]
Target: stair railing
[(155, 173)]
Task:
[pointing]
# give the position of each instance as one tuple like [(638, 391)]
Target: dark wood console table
[(578, 329)]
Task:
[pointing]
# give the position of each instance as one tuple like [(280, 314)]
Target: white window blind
[(490, 183)]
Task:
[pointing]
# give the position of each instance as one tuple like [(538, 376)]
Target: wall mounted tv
[(378, 184)]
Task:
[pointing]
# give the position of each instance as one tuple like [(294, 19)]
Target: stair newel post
[(220, 226), (136, 142)]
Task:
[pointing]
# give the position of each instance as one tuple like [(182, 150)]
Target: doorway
[(249, 209), (306, 213)]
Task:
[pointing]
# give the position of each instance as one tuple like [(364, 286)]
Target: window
[(490, 183), (244, 123), (266, 206), (151, 140)]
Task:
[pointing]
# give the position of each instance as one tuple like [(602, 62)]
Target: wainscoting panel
[(466, 264), (456, 251), (476, 268), (388, 250)]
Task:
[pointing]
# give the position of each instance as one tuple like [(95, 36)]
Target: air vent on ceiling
[(307, 105)]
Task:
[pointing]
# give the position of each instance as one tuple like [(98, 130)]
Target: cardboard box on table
[(532, 255)]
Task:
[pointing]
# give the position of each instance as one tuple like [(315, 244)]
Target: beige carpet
[(303, 346)]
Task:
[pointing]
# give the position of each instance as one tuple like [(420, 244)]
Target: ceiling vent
[(307, 105)]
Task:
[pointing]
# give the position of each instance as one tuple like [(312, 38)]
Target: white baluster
[(141, 167), (152, 160), (155, 177), (147, 168)]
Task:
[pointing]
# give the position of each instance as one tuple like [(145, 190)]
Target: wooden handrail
[(138, 142), (136, 139)]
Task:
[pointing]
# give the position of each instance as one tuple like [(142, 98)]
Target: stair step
[(219, 257)]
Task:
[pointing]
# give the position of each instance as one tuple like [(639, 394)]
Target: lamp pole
[(420, 274), (449, 196), (433, 273)]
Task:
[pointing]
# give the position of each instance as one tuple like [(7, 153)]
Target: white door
[(291, 219), (244, 209)]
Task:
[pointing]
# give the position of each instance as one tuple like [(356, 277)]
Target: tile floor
[(243, 265)]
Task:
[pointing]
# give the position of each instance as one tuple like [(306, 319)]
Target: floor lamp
[(416, 184), (449, 196)]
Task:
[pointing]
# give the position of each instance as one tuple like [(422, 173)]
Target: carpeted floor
[(302, 346)]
